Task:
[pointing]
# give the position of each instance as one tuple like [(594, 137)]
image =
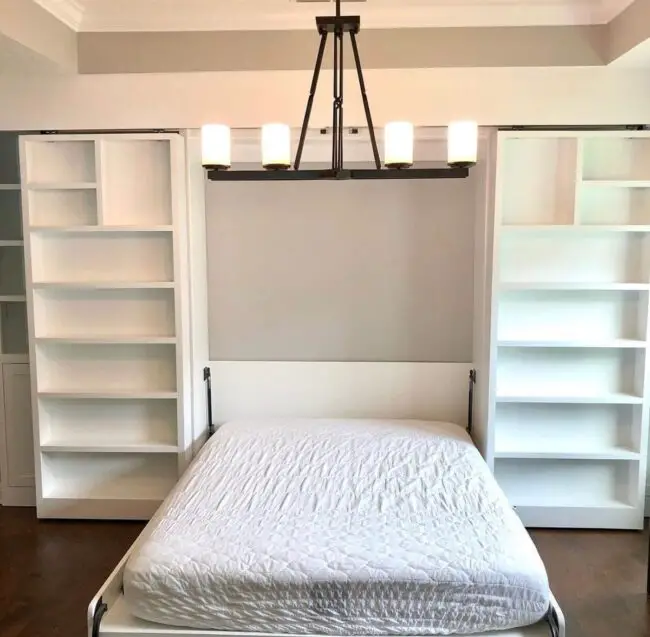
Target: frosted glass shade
[(215, 145), (398, 145), (462, 143), (276, 146)]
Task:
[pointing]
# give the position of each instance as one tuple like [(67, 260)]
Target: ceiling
[(211, 15)]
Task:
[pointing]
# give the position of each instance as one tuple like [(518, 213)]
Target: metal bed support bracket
[(207, 378), (470, 400), (100, 611), (553, 622)]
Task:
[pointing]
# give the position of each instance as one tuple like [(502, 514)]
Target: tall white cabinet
[(16, 442), (571, 285), (104, 226)]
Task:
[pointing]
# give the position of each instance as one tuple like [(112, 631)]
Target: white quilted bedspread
[(337, 527)]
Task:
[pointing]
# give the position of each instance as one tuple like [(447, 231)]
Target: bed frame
[(431, 391)]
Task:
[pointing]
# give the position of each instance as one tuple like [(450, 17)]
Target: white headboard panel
[(428, 391)]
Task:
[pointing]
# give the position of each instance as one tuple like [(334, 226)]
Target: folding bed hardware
[(100, 611), (553, 621), (470, 405), (207, 378)]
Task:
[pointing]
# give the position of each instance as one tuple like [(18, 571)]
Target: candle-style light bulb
[(276, 146), (462, 144), (398, 145), (215, 146)]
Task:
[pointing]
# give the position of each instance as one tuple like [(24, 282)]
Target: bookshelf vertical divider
[(571, 301), (104, 225)]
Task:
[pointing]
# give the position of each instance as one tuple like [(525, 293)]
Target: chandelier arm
[(310, 100), (364, 97)]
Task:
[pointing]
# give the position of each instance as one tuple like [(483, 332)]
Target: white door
[(18, 426)]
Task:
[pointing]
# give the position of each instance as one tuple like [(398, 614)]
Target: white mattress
[(337, 527)]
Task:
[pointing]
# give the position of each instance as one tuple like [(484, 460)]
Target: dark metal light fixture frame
[(338, 26)]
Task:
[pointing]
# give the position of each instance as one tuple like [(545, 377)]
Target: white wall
[(353, 271), (569, 96)]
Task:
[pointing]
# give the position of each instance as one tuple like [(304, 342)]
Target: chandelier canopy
[(462, 136)]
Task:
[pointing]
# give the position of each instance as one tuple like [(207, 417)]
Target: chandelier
[(462, 136)]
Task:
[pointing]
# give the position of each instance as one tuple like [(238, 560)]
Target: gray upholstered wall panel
[(346, 271)]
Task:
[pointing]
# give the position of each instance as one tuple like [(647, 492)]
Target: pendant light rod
[(366, 103), (338, 25), (310, 101)]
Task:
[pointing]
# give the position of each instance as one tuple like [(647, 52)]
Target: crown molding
[(200, 15), (611, 8), (70, 12)]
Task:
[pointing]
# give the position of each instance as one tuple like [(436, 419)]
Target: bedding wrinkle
[(356, 527)]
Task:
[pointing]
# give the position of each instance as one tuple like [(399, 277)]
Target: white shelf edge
[(570, 286), (13, 298), (98, 229), (605, 454), (10, 187), (613, 344), (67, 185), (14, 358), (605, 503), (578, 228), (62, 447), (85, 507), (71, 496), (108, 340), (616, 183), (103, 285), (604, 399), (11, 243), (98, 395)]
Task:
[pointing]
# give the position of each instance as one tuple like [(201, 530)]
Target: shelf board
[(68, 185), (115, 395), (617, 183), (617, 343), (9, 186), (98, 508), (601, 503), (108, 340), (561, 286), (14, 358), (13, 298), (103, 285), (578, 228), (613, 453), (578, 399), (73, 446), (98, 229), (11, 243), (599, 514)]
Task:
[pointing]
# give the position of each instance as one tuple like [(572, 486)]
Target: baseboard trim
[(18, 496)]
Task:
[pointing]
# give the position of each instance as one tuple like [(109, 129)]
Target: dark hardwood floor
[(49, 571)]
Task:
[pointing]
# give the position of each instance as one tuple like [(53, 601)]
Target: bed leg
[(100, 611)]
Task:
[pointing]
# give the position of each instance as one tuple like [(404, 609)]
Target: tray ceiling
[(209, 15)]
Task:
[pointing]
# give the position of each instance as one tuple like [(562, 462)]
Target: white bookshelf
[(105, 243), (570, 326)]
